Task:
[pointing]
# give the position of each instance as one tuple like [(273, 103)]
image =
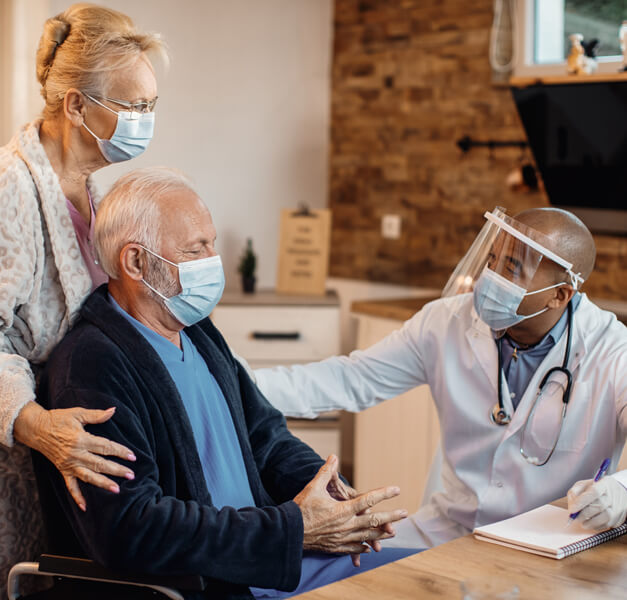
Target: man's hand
[(342, 526), (602, 504), (342, 491), (59, 435)]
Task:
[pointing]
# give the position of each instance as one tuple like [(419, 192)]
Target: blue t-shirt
[(214, 433)]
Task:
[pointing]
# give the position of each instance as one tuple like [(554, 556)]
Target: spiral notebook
[(545, 531)]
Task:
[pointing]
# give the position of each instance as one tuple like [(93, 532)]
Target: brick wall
[(410, 77)]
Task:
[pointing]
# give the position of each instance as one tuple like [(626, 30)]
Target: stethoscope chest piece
[(499, 416)]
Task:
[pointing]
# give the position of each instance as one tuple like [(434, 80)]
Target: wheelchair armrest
[(82, 567)]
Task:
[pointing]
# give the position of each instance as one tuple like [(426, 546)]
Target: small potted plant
[(246, 268)]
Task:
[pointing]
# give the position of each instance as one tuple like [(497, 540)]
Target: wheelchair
[(63, 568), (21, 535)]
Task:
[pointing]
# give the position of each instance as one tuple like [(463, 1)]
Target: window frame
[(524, 65)]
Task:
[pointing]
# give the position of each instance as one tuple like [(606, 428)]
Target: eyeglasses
[(140, 107)]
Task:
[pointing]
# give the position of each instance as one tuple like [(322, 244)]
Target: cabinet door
[(394, 443), (267, 335)]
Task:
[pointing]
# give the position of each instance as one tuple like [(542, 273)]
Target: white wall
[(244, 110), (20, 27)]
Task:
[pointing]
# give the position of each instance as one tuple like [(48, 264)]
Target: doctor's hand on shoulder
[(338, 520), (602, 504)]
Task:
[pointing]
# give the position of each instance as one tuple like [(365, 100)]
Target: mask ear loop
[(153, 289), (161, 258)]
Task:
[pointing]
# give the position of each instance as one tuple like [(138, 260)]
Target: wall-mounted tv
[(578, 135)]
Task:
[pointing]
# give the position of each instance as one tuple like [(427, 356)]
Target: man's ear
[(563, 295), (133, 261), (74, 107)]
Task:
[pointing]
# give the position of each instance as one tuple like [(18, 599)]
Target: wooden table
[(598, 573)]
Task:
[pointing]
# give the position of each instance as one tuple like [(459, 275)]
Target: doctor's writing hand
[(341, 526), (602, 504), (342, 491), (60, 436)]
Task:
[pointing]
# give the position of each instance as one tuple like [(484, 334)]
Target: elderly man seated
[(221, 488)]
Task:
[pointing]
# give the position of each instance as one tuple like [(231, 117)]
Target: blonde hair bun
[(55, 32), (83, 45)]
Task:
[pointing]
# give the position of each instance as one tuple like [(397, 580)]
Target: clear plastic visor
[(507, 247)]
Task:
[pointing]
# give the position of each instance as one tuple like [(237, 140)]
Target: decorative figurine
[(581, 60), (246, 268)]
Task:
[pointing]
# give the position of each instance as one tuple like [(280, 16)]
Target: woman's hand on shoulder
[(60, 436)]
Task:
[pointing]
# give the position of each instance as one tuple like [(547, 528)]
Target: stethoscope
[(500, 416)]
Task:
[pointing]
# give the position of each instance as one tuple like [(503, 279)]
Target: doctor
[(529, 379)]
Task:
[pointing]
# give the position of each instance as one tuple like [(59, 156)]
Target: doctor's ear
[(563, 295), (133, 261)]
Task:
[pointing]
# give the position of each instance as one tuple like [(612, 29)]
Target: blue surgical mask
[(131, 137), (497, 299), (202, 283)]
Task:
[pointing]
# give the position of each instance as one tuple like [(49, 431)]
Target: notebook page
[(543, 529), (517, 547)]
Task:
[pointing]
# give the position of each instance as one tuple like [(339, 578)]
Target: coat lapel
[(73, 274), (484, 348)]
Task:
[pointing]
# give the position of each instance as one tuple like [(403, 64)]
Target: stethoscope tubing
[(500, 416)]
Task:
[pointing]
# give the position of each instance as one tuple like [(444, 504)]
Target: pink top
[(84, 236)]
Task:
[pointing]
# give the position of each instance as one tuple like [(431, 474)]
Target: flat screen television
[(578, 135)]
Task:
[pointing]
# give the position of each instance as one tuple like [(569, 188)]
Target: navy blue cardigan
[(163, 521)]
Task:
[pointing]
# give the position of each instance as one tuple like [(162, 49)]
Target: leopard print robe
[(43, 282)]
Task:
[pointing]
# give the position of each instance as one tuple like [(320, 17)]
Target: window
[(543, 28)]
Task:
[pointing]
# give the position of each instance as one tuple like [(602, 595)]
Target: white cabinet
[(268, 329), (392, 443), (279, 335)]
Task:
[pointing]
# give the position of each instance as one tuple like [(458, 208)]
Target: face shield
[(500, 266)]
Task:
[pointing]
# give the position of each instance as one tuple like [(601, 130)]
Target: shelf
[(561, 79), (271, 298)]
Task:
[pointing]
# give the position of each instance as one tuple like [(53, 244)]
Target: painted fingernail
[(129, 475), (131, 456), (115, 489), (82, 507)]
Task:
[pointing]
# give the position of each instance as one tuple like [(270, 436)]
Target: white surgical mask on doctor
[(131, 137), (202, 283), (497, 299)]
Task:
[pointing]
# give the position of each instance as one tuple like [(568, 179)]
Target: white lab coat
[(484, 477)]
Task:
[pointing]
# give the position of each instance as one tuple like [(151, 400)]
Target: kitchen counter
[(399, 309), (402, 309)]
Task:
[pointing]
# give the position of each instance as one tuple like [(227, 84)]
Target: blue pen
[(602, 469)]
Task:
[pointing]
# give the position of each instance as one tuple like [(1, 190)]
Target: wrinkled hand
[(342, 491), (602, 504), (340, 526), (60, 436)]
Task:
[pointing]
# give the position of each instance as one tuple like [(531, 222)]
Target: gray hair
[(129, 213)]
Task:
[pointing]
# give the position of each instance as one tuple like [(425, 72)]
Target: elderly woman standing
[(100, 90)]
